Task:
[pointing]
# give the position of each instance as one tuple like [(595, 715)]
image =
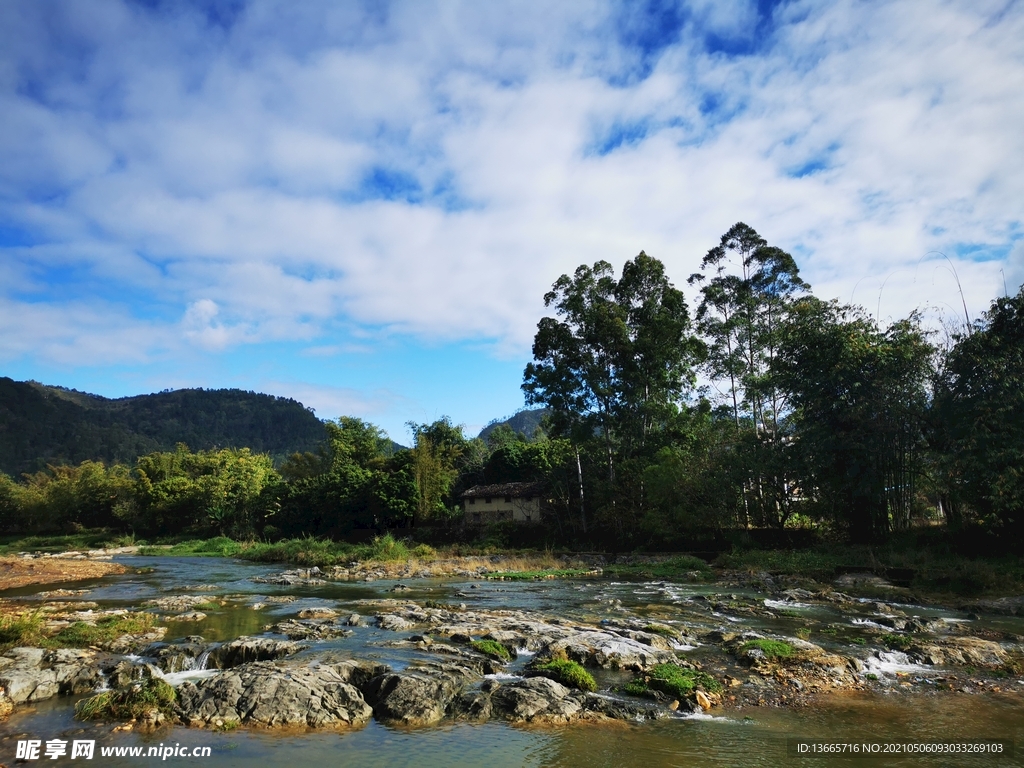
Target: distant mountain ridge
[(42, 424), (525, 422)]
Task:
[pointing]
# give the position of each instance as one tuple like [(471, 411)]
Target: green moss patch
[(663, 630), (896, 642), (773, 650), (128, 703), (568, 673), (675, 681), (492, 648)]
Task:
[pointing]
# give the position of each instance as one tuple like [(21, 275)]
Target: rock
[(274, 694), (32, 674), (1005, 606), (244, 650), (318, 612), (134, 644), (703, 701), (533, 698), (607, 651), (191, 616), (394, 623), (863, 580), (354, 620), (6, 705), (309, 630), (177, 603), (418, 695), (176, 657), (307, 576), (965, 651)]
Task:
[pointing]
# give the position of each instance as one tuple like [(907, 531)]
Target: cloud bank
[(208, 176)]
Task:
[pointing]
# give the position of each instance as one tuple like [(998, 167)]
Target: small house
[(518, 502)]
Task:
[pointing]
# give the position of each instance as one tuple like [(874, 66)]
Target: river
[(904, 706)]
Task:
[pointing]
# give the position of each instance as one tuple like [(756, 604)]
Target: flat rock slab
[(273, 694), (32, 674)]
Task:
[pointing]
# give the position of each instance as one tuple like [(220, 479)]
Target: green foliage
[(492, 648), (105, 630), (568, 673), (860, 399), (663, 630), (980, 403), (128, 703), (896, 642), (612, 367), (61, 426), (385, 548), (219, 546), (773, 650), (675, 681), (20, 630)]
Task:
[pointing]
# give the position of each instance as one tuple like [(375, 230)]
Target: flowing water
[(751, 736)]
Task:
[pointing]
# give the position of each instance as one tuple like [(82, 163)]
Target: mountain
[(42, 425), (524, 422)]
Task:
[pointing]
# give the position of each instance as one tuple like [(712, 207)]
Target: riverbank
[(27, 570)]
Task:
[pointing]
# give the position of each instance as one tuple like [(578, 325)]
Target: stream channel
[(903, 705)]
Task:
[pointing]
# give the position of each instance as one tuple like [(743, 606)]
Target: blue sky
[(361, 205)]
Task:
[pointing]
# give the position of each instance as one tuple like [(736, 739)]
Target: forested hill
[(42, 425), (525, 422)]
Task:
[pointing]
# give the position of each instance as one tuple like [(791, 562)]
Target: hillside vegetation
[(41, 425)]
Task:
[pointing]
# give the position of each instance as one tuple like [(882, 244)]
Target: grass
[(25, 629), (671, 568), (109, 628), (128, 703), (568, 673), (206, 606), (92, 539), (773, 650), (937, 566), (675, 681), (896, 642), (663, 630), (492, 648)]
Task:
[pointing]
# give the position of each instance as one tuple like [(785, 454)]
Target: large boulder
[(274, 694), (244, 650), (966, 651), (418, 695), (594, 648), (32, 674), (535, 698)]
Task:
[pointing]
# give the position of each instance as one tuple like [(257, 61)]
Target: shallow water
[(752, 736)]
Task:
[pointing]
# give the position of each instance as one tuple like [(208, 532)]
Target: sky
[(361, 204)]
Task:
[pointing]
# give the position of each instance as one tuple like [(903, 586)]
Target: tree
[(748, 289), (612, 366), (980, 408), (860, 398), (435, 465)]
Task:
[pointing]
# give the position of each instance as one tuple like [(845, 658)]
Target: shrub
[(568, 673), (773, 650), (128, 703), (492, 648), (675, 681)]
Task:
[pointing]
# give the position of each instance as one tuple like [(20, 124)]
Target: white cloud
[(226, 175)]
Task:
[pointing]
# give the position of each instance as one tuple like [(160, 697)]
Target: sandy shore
[(25, 571)]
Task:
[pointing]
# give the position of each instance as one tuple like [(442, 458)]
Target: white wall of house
[(521, 510)]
